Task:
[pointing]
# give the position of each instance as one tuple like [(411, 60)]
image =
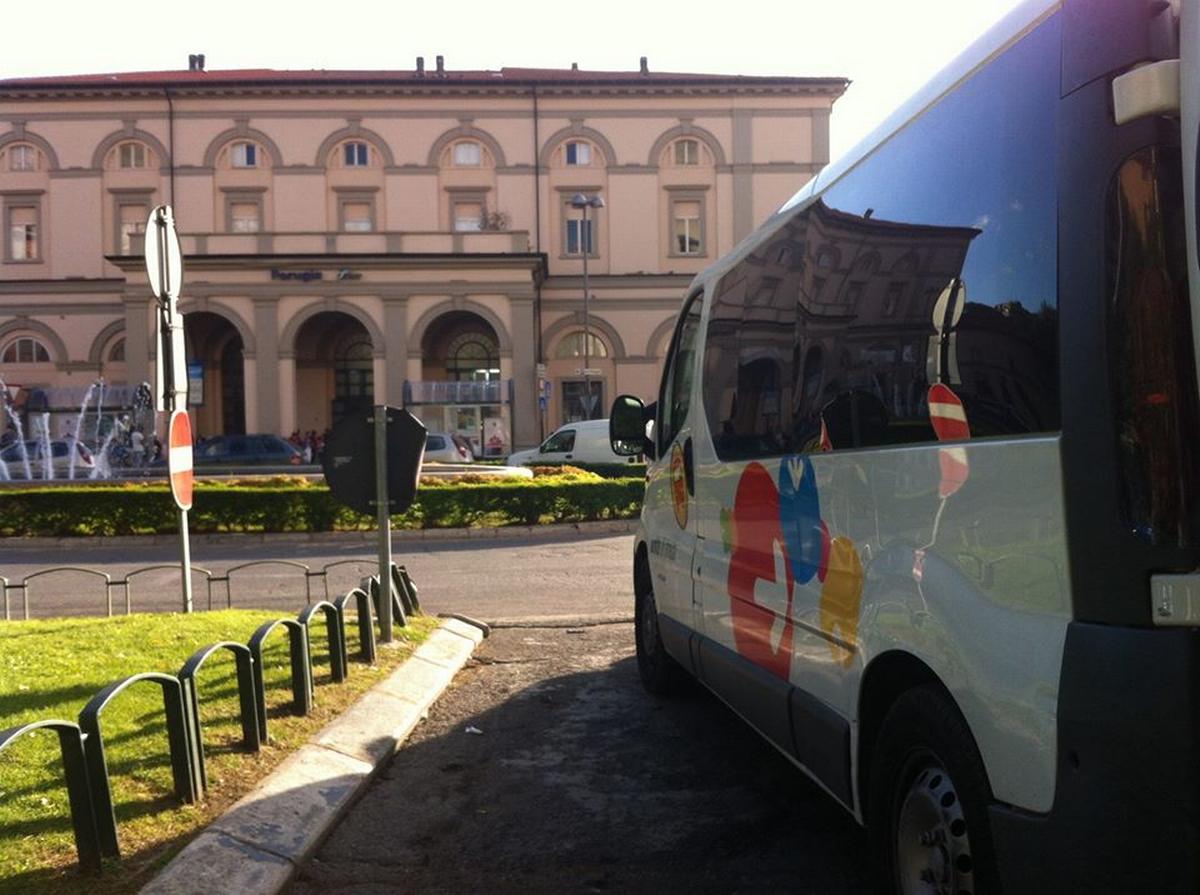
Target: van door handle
[(689, 467), (568, 456)]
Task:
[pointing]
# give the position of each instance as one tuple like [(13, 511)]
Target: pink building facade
[(404, 237)]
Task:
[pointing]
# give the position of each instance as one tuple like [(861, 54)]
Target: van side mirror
[(627, 427)]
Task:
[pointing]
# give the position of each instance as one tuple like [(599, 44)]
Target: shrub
[(303, 505)]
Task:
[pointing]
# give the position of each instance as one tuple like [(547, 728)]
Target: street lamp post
[(583, 203)]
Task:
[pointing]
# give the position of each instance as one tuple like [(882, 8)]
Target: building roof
[(413, 79)]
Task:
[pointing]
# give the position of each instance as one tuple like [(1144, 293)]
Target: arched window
[(354, 154), (571, 346), (467, 154), (685, 152), (578, 153), (472, 357), (25, 350), (353, 370), (131, 155), (22, 157), (242, 154), (116, 354)]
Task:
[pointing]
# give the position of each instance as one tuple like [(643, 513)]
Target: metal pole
[(186, 559), (384, 516), (587, 249)]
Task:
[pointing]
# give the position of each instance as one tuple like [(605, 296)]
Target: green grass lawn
[(49, 669)]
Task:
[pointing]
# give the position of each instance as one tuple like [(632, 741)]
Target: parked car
[(442, 447), (582, 442), (247, 450), (60, 453)]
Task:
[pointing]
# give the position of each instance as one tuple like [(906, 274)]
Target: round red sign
[(179, 458)]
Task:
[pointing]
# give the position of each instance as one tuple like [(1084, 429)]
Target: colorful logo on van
[(679, 493), (779, 542)]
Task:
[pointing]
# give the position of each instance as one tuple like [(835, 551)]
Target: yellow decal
[(679, 494), (841, 596)]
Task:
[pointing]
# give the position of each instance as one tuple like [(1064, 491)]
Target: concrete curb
[(258, 844), (366, 538)]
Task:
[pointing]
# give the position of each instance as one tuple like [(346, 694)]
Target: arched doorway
[(216, 376), (334, 370), (463, 393)]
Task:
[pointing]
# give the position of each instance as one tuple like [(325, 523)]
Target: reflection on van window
[(931, 261)]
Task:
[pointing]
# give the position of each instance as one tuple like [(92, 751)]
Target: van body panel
[(976, 586)]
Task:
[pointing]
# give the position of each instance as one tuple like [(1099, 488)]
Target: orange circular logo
[(679, 494)]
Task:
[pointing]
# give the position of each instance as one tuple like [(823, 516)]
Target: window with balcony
[(357, 216), (131, 224), (245, 217), (25, 350), (468, 216), (578, 237), (23, 232), (687, 227)]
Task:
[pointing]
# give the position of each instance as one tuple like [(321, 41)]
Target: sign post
[(164, 268), (372, 463)]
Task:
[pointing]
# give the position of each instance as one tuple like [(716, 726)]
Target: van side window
[(931, 261), (560, 441), (677, 382)]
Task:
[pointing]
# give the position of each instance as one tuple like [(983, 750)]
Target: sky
[(888, 48)]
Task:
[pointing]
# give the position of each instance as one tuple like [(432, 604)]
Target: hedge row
[(148, 509)]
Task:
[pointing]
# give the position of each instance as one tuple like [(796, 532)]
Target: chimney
[(196, 62), (645, 67), (441, 66), (574, 66), (420, 66)]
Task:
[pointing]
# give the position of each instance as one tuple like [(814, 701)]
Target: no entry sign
[(949, 420), (179, 458)]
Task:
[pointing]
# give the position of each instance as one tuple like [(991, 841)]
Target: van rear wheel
[(660, 674), (928, 802)]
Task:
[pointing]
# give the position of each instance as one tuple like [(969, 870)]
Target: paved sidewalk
[(256, 846)]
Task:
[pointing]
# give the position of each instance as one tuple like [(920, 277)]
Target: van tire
[(928, 799), (661, 674)]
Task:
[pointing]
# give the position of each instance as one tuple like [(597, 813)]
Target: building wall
[(751, 151)]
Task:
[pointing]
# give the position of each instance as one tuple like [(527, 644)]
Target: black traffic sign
[(349, 460)]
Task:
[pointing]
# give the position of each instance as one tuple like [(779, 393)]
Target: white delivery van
[(923, 502), (582, 442)]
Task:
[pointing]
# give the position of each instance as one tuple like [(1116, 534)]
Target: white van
[(582, 442), (923, 502)]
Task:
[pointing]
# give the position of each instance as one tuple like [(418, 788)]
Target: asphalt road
[(550, 573), (546, 768)]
